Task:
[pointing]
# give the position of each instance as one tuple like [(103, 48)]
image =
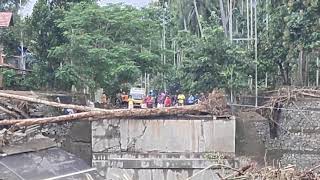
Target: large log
[(11, 113), (15, 108), (215, 105), (117, 113), (49, 103)]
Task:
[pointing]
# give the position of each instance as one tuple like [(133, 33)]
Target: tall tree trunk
[(223, 18), (302, 68), (287, 73), (306, 71), (230, 20), (198, 18), (283, 73)]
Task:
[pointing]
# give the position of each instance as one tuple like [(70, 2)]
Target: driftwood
[(15, 108), (7, 111), (117, 113), (280, 173)]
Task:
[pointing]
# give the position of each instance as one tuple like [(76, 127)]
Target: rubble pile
[(270, 172), (11, 135), (216, 103)]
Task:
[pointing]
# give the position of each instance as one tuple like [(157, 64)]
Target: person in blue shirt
[(190, 100), (196, 98)]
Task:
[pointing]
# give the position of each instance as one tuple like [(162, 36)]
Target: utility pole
[(22, 63), (164, 42), (267, 18), (145, 81), (148, 84), (231, 39), (251, 18), (256, 50), (248, 24), (242, 7), (317, 75), (230, 20), (174, 52)]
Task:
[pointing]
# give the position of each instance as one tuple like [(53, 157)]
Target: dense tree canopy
[(183, 44), (107, 46)]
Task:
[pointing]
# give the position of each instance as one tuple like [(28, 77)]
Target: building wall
[(161, 149)]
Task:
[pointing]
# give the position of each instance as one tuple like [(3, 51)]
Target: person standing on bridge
[(161, 99), (181, 99), (149, 101), (190, 100), (104, 100), (167, 101), (130, 102)]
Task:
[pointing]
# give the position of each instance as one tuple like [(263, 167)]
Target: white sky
[(27, 9)]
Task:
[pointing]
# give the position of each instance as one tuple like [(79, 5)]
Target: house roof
[(5, 19)]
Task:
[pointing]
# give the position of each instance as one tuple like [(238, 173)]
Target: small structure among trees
[(6, 19)]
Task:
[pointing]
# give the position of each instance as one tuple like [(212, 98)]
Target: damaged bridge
[(142, 144), (162, 148)]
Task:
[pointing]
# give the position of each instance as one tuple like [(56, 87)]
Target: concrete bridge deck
[(162, 149)]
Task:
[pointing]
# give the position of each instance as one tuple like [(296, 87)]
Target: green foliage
[(67, 76), (106, 46), (11, 5), (44, 34), (214, 63), (292, 28), (77, 42), (209, 62), (9, 78)]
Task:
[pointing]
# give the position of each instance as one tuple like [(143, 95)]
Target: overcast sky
[(27, 9)]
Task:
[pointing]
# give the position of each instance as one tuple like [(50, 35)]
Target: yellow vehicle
[(138, 95)]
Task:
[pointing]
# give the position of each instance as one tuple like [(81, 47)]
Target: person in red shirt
[(149, 102), (167, 102)]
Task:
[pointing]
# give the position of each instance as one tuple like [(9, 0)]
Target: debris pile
[(269, 172), (13, 109), (280, 98), (216, 103)]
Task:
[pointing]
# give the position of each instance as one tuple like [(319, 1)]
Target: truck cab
[(138, 95)]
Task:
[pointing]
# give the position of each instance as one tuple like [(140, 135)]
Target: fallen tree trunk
[(117, 113), (11, 113), (215, 105), (50, 103), (15, 108)]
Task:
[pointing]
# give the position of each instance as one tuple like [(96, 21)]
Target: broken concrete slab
[(37, 143)]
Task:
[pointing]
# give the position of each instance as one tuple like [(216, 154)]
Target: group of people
[(164, 99)]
